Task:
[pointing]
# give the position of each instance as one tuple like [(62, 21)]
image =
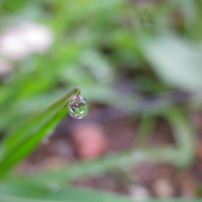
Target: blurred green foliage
[(155, 47), (96, 44)]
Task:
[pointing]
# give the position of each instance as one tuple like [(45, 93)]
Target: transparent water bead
[(78, 107)]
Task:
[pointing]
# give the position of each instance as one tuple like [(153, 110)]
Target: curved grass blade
[(20, 192), (180, 155)]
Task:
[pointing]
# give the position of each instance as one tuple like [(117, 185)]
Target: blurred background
[(139, 65)]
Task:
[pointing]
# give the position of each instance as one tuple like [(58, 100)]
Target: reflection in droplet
[(78, 107)]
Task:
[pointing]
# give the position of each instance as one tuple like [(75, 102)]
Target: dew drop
[(78, 107)]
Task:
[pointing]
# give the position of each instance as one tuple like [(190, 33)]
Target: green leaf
[(175, 60), (20, 143)]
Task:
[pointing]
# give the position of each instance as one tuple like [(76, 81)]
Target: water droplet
[(78, 107)]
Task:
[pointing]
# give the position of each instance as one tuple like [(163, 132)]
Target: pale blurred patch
[(19, 42), (139, 193)]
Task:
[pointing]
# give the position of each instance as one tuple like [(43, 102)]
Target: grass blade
[(19, 144)]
